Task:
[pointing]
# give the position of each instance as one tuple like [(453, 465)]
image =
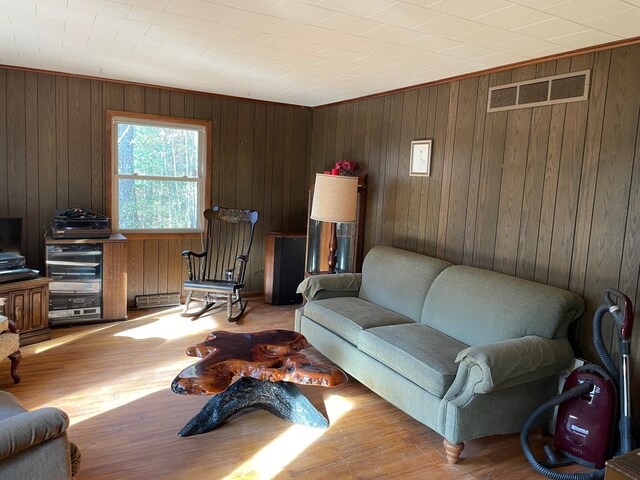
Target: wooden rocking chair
[(218, 271)]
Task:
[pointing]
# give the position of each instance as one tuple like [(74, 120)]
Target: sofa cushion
[(398, 280), (417, 352), (478, 306), (347, 316)]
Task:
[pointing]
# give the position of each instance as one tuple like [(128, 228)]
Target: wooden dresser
[(27, 304)]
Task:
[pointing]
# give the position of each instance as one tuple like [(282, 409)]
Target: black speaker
[(284, 267)]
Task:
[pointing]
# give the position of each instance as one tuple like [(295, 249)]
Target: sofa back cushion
[(399, 280), (477, 307)]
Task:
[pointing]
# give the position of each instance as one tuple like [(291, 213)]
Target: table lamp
[(335, 199)]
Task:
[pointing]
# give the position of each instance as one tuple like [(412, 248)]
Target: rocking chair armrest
[(189, 253)]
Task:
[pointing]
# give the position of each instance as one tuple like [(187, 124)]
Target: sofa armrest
[(513, 362), (27, 429), (317, 287)]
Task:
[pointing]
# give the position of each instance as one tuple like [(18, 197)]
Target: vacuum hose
[(574, 392), (599, 343)]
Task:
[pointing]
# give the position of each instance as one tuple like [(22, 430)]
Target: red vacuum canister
[(585, 425)]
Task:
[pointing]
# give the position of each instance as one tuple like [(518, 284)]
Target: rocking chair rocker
[(218, 271)]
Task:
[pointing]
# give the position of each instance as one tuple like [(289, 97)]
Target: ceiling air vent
[(567, 87)]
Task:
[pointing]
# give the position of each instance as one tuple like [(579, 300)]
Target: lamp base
[(333, 247), (332, 270)]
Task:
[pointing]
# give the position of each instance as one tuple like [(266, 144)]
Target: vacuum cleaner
[(588, 405)]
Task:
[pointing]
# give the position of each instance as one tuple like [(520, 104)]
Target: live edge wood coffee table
[(269, 364)]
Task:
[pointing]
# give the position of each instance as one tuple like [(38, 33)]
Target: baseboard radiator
[(157, 300)]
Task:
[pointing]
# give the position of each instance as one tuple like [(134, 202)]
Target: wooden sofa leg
[(15, 358), (453, 451)]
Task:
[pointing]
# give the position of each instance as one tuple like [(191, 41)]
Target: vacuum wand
[(624, 319), (625, 414)]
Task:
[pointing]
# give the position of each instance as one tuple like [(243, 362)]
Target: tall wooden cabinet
[(27, 304), (114, 280)]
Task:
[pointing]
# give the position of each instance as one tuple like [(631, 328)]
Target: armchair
[(10, 345), (35, 444)]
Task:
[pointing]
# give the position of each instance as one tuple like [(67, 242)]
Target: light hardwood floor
[(113, 381)]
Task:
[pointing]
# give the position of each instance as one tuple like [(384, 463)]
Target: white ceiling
[(305, 52)]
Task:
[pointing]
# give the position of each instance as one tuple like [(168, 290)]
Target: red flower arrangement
[(343, 167)]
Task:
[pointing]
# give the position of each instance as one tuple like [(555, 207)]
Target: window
[(158, 181)]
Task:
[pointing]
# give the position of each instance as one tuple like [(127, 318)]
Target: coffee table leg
[(282, 399)]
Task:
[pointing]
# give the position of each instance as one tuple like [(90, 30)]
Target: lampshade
[(335, 198)]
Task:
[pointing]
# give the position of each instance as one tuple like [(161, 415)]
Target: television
[(10, 235)]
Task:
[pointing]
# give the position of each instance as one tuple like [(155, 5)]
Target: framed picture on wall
[(421, 158)]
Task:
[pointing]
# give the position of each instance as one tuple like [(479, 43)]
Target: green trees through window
[(159, 175)]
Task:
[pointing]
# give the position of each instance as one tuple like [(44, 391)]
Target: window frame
[(203, 182)]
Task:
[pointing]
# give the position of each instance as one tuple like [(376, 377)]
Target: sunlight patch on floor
[(94, 407), (171, 326), (275, 456), (101, 396), (95, 400), (57, 342), (71, 337)]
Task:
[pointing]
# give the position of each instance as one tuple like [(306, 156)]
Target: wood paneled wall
[(550, 194), (52, 144)]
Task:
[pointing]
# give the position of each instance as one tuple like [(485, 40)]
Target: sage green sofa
[(468, 352)]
